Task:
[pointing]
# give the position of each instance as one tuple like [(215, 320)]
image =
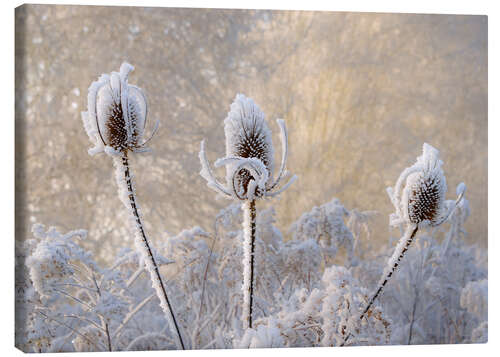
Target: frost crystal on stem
[(421, 204), (249, 228), (115, 123), (249, 176)]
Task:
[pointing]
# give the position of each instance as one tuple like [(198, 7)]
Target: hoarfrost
[(249, 155)]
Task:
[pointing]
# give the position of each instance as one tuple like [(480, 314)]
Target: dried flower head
[(423, 197), (247, 136), (116, 116), (249, 154)]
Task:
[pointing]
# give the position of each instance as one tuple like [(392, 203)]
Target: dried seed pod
[(249, 154), (247, 136), (425, 192), (422, 200), (117, 112)]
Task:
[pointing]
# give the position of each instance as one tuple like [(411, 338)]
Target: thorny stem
[(133, 204), (386, 279), (250, 215)]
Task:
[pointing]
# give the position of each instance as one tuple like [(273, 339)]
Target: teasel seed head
[(426, 199), (116, 116), (249, 157), (247, 136), (422, 201)]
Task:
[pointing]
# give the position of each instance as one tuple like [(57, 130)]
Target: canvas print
[(226, 179)]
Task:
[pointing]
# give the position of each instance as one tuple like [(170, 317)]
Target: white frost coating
[(320, 316), (283, 188), (125, 69), (246, 130), (291, 294), (389, 270), (263, 336), (247, 245), (474, 298), (249, 154), (397, 255), (325, 225), (422, 198), (256, 168), (113, 103), (140, 243), (284, 153), (51, 257), (207, 174), (461, 188)]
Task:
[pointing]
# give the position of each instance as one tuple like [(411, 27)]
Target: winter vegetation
[(333, 258), (311, 285), (249, 175), (243, 285)]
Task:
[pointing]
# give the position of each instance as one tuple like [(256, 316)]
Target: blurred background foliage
[(360, 93)]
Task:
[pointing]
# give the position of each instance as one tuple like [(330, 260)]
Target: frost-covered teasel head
[(116, 116), (249, 154), (247, 137), (422, 199)]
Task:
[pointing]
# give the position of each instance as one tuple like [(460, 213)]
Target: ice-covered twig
[(392, 264), (249, 231), (125, 183)]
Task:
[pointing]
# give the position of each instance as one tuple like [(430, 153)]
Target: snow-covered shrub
[(321, 317), (325, 225), (474, 299), (86, 307), (310, 285), (66, 289), (438, 296)]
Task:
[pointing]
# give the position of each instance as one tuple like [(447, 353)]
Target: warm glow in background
[(360, 94)]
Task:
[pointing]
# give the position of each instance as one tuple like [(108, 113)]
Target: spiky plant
[(249, 169), (420, 203), (115, 123)]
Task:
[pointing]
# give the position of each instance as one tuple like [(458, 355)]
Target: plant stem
[(205, 274), (399, 252), (145, 248), (249, 231), (106, 327)]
